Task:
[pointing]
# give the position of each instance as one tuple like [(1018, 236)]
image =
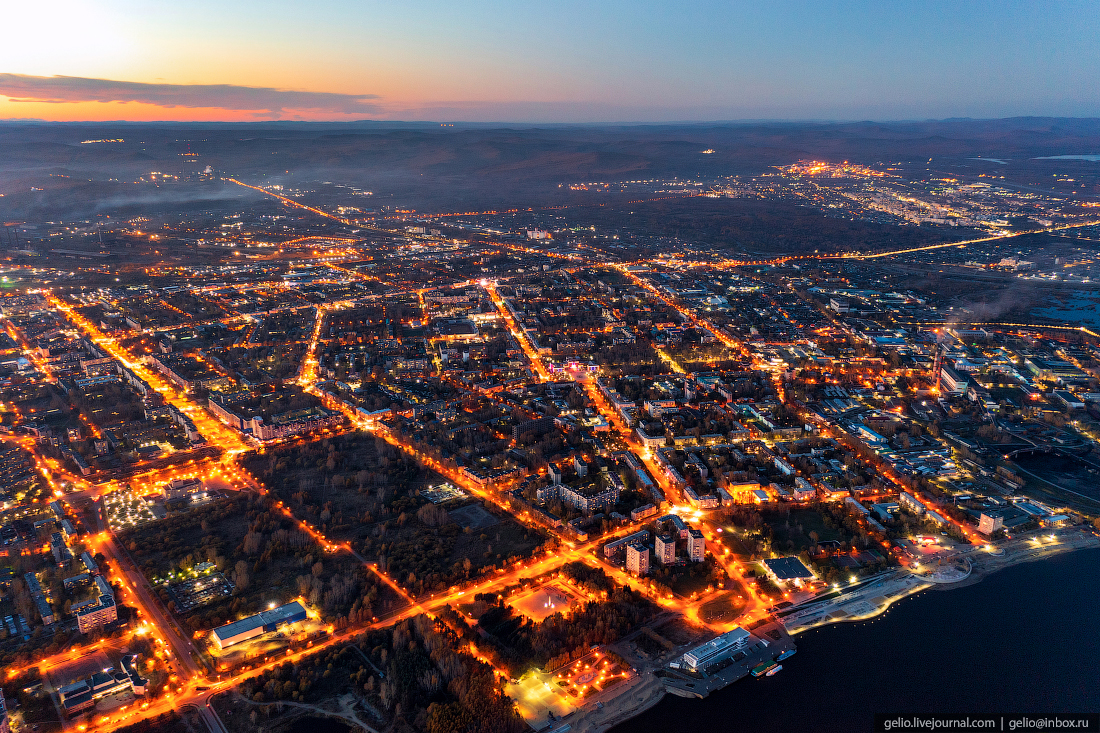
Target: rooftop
[(787, 568)]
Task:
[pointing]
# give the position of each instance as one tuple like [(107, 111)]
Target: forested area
[(518, 643)]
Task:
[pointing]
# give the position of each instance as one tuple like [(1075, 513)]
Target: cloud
[(65, 89)]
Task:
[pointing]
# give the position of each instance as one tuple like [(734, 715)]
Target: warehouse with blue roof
[(261, 623)]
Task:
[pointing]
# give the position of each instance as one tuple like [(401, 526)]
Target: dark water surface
[(1023, 640)]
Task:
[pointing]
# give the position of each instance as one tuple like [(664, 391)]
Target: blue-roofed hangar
[(261, 623)]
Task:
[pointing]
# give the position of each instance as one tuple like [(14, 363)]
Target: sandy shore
[(647, 692)]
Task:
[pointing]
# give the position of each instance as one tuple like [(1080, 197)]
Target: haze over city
[(496, 367)]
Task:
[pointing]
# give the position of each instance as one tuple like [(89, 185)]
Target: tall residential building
[(664, 548), (697, 545), (637, 558), (990, 522)]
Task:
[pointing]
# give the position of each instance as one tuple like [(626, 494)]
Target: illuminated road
[(140, 595), (689, 608), (313, 210), (518, 332), (194, 686), (189, 693), (210, 428), (143, 597), (878, 255)]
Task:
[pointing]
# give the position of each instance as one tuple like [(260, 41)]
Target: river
[(1023, 640)]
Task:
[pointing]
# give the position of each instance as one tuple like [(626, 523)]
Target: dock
[(767, 641)]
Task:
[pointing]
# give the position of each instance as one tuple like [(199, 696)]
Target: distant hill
[(439, 168)]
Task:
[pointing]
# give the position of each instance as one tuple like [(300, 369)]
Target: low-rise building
[(675, 525), (935, 517), (784, 570), (649, 441), (181, 488), (61, 552), (82, 695), (716, 650), (612, 548), (261, 623), (596, 497), (293, 423), (911, 503), (99, 612), (39, 597), (803, 490)]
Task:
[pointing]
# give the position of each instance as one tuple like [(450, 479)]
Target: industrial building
[(262, 623)]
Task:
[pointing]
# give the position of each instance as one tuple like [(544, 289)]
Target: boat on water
[(785, 655), (773, 670), (764, 668)]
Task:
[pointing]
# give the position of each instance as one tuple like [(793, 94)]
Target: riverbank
[(863, 602), (950, 654), (1018, 552)]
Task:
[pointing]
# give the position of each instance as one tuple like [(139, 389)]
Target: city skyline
[(653, 62)]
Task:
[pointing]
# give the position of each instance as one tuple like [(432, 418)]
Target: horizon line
[(450, 122)]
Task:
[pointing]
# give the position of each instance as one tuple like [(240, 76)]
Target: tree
[(240, 576), (253, 541), (305, 582)]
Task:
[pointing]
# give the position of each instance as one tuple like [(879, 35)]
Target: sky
[(548, 61)]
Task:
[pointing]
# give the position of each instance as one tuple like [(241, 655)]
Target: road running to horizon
[(194, 682)]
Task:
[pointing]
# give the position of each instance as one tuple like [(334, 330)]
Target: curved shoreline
[(978, 572)]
